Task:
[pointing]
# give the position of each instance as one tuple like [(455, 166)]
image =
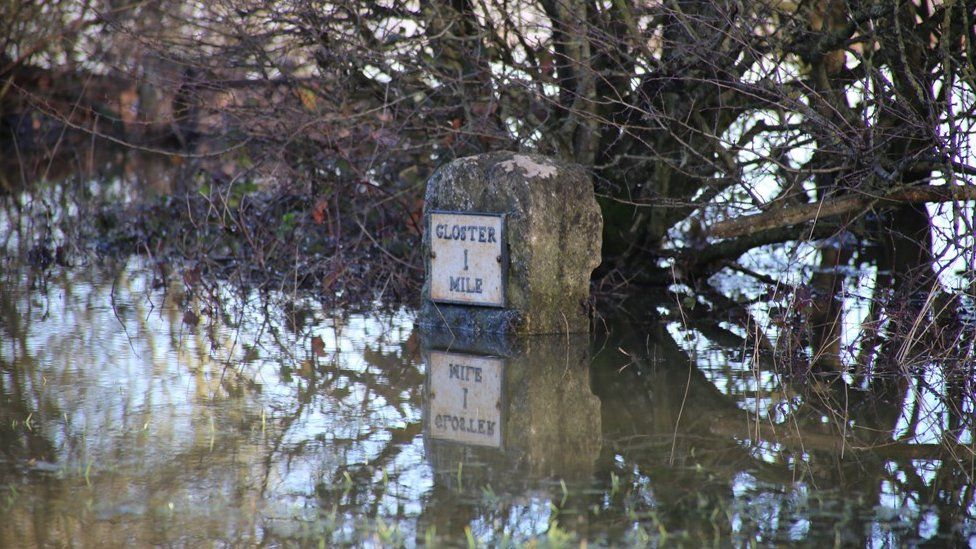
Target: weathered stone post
[(510, 243)]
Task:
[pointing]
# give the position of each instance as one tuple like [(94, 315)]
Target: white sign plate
[(467, 263), (465, 399)]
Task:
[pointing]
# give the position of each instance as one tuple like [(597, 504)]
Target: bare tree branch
[(794, 215)]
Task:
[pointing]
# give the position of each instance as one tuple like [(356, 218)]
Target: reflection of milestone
[(464, 398), (526, 411)]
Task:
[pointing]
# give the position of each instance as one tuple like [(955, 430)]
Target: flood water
[(135, 412), (123, 423)]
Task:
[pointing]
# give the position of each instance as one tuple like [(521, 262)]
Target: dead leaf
[(191, 276), (333, 277), (190, 318), (308, 99), (320, 211), (318, 346)]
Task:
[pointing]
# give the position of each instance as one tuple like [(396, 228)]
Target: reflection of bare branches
[(827, 433)]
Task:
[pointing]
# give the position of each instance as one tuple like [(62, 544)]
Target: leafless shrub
[(712, 128)]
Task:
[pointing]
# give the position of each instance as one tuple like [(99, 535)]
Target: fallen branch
[(710, 259), (795, 215)]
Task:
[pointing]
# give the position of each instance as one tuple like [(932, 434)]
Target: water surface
[(134, 411)]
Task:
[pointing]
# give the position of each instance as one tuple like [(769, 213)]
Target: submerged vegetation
[(788, 197)]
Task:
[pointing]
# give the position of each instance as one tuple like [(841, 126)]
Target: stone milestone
[(510, 244)]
